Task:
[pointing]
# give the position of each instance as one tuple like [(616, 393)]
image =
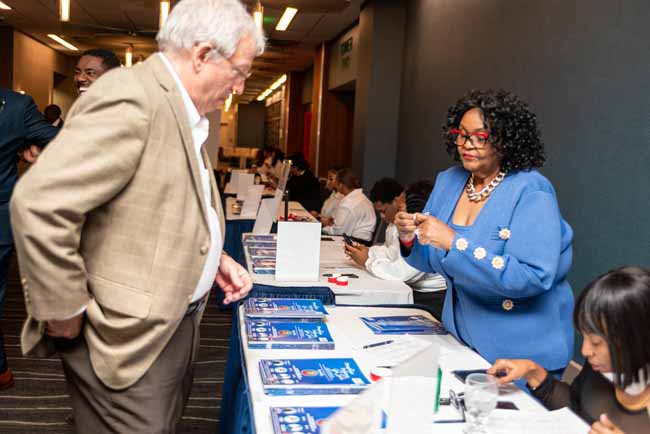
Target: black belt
[(195, 306)]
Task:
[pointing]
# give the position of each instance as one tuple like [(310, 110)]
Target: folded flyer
[(405, 324)]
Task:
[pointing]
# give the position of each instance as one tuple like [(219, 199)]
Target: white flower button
[(504, 233), (462, 244), (498, 262), (479, 253)]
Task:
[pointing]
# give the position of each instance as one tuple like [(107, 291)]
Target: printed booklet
[(312, 376), (283, 334), (291, 308)]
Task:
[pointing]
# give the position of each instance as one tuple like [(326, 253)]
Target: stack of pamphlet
[(407, 324), (286, 334), (262, 250), (288, 308), (312, 376)]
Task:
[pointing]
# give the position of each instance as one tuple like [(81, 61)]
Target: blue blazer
[(21, 125), (508, 294)]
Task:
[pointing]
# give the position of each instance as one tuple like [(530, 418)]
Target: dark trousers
[(434, 300), (153, 405), (5, 255)]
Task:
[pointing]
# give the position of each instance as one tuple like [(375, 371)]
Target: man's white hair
[(221, 23)]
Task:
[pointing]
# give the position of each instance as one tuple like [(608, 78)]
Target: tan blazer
[(112, 217)]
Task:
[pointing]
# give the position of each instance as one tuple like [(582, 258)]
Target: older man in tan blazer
[(119, 227)]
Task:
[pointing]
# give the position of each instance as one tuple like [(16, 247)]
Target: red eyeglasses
[(478, 139)]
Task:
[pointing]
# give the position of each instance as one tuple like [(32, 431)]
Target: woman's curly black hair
[(512, 127)]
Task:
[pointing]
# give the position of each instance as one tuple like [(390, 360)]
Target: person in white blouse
[(331, 204), (355, 215), (384, 261)]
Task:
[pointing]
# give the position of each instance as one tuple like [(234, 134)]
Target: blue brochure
[(291, 308), (305, 420), (406, 324), (312, 376), (283, 334)]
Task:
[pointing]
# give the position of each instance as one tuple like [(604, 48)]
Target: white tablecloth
[(364, 290), (350, 334)]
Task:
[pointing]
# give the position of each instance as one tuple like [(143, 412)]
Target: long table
[(350, 334), (364, 290)]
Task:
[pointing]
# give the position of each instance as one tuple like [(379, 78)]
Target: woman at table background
[(612, 391), (492, 227), (355, 215)]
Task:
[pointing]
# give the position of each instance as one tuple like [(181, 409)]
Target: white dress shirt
[(331, 204), (385, 262), (200, 127), (355, 216)]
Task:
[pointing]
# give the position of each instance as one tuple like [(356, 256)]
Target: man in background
[(119, 227), (91, 65), (385, 261), (22, 130), (52, 114)]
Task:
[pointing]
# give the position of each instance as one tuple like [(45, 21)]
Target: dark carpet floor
[(39, 402)]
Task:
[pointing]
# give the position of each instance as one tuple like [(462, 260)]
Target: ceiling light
[(286, 18), (66, 44), (5, 6), (258, 15), (128, 56), (279, 82), (164, 12), (228, 102), (64, 10)]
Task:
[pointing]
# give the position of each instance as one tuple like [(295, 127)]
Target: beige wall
[(34, 65)]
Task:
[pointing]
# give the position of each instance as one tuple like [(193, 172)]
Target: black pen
[(377, 344)]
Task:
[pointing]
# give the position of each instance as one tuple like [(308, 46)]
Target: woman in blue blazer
[(492, 227)]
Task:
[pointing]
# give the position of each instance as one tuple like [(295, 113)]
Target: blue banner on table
[(411, 324), (284, 308), (340, 376), (283, 334)]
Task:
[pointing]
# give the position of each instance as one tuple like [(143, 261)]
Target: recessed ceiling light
[(286, 19), (62, 42), (5, 6)]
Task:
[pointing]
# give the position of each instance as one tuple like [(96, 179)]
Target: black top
[(589, 396), (305, 189)]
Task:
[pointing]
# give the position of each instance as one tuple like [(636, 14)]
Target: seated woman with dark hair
[(493, 228), (613, 389), (355, 215)]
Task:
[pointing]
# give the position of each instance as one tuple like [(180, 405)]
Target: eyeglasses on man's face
[(479, 139), (234, 68)]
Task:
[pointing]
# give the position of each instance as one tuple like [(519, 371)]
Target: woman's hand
[(434, 232), (605, 426), (326, 221), (406, 225), (516, 369), (358, 253)]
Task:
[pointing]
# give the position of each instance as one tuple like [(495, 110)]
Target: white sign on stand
[(252, 201), (412, 394), (284, 175), (407, 396), (244, 180), (298, 251), (267, 214)]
